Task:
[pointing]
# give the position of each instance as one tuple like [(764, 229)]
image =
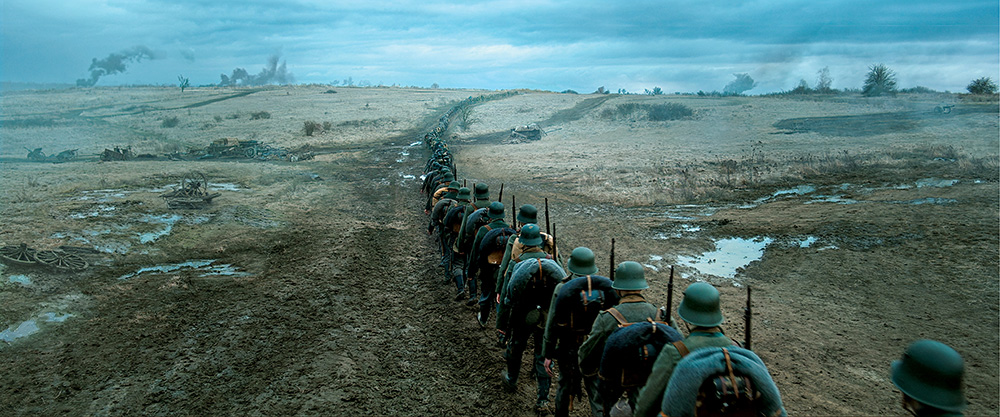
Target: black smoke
[(273, 73), (114, 64)]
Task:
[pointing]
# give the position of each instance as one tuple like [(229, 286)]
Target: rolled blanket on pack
[(630, 352), (681, 394)]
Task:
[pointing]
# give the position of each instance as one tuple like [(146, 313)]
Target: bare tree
[(824, 81)]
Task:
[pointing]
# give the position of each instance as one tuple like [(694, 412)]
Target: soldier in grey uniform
[(930, 376)]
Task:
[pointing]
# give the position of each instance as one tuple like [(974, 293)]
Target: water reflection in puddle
[(935, 182), (729, 256), (203, 265), (29, 327), (20, 279)]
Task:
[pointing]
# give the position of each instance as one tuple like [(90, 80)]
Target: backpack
[(530, 289), (493, 245), (580, 300), (631, 349), (729, 381)]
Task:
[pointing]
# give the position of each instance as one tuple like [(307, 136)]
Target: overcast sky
[(552, 45)]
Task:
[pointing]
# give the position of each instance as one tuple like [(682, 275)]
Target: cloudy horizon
[(679, 46)]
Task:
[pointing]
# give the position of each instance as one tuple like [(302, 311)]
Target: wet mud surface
[(330, 303)]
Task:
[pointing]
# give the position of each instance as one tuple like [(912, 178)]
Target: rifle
[(546, 215), (747, 315), (513, 213), (670, 293), (554, 250), (500, 197), (465, 182), (612, 273)]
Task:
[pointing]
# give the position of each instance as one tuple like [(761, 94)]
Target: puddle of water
[(224, 186), (935, 182), (29, 327), (730, 254), (807, 242), (20, 279), (408, 177), (690, 211), (929, 200), (204, 265), (101, 196), (836, 199), (652, 267), (168, 220), (415, 144)]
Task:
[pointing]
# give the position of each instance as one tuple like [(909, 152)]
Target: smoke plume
[(273, 73), (114, 64)]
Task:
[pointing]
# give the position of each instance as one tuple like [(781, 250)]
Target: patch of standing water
[(20, 279), (935, 182), (729, 256), (204, 265), (224, 186), (684, 228), (168, 220), (29, 327), (928, 200)]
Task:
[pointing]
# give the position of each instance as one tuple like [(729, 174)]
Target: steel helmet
[(482, 191), (464, 194), (629, 276), (700, 305), (496, 210), (931, 373), (530, 235), (581, 262), (527, 214)]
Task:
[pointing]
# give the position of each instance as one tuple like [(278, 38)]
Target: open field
[(310, 287)]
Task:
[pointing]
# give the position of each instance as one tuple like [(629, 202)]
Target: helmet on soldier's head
[(931, 373), (700, 305), (581, 261), (464, 194), (527, 214), (450, 193), (530, 235), (454, 185), (447, 177), (482, 191), (629, 276), (495, 210)]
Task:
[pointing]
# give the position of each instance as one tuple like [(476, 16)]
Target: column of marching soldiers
[(610, 344)]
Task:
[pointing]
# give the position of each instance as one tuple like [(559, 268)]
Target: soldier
[(448, 200), (462, 244), (479, 259), (440, 182), (526, 215), (722, 381), (452, 224), (576, 301), (629, 282), (930, 376), (526, 302), (699, 308)]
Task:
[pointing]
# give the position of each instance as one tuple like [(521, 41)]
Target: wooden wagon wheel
[(21, 254), (61, 260)]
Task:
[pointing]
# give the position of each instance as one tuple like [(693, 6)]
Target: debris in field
[(522, 134), (192, 194), (38, 156)]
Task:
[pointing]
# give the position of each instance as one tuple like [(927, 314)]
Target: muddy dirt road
[(311, 288)]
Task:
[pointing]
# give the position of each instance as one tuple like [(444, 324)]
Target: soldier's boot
[(460, 283)]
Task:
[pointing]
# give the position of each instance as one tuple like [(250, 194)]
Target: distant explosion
[(114, 64), (271, 74)]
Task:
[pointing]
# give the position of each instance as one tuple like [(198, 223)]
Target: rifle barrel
[(670, 292), (612, 273), (747, 317), (500, 197), (546, 215)]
